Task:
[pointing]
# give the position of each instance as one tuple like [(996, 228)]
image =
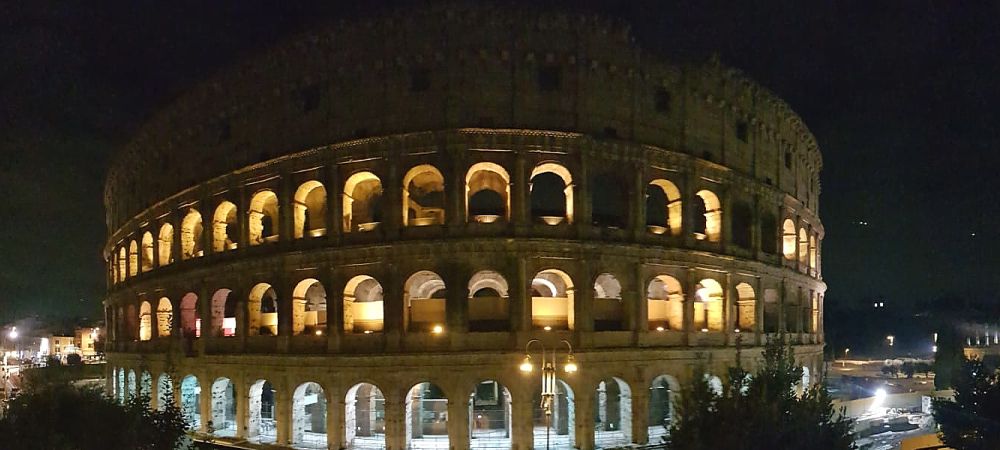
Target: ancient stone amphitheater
[(349, 240)]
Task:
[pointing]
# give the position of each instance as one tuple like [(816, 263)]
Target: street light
[(846, 351), (891, 339), (548, 377)]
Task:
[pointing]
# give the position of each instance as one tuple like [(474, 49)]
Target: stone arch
[(663, 393), (191, 230), (165, 391), (768, 233), (309, 415), (264, 221), (166, 243), (788, 244), (490, 414), (225, 227), (261, 418), (551, 188), (362, 198), (552, 295), (746, 307), (145, 321), (423, 196), (708, 216), (709, 305), (426, 417), (803, 247), (487, 193), (364, 309), (164, 317), (424, 295), (146, 253), (559, 431), (665, 303), (122, 264), (609, 200), (309, 210), (190, 316), (663, 207), (489, 302), (613, 421), (364, 416), (262, 311), (133, 258), (190, 401), (608, 311), (309, 307), (224, 408), (742, 224), (224, 308)]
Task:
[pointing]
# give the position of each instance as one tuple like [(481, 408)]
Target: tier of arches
[(474, 413), (425, 197)]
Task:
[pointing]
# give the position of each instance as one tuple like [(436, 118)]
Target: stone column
[(392, 294), (640, 415), (520, 297), (522, 423), (395, 428), (637, 205), (242, 393), (584, 429), (205, 402), (690, 298), (283, 413), (458, 423), (583, 299), (582, 213), (729, 306), (782, 292), (243, 218), (334, 215), (283, 288), (688, 197), (521, 195), (335, 432), (641, 314), (727, 218), (457, 301), (456, 214), (392, 199), (286, 214)]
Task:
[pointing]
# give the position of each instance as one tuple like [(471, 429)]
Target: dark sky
[(903, 99)]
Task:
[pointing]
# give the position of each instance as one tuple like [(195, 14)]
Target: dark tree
[(74, 359), (949, 357), (972, 420)]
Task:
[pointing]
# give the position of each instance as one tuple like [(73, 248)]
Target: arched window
[(489, 302), (362, 202), (768, 234), (364, 310), (487, 189), (225, 227), (164, 317), (223, 313), (224, 408), (708, 217), (608, 201), (424, 295), (263, 217), (423, 196), (742, 224), (803, 247), (708, 308), (665, 304), (309, 412), (190, 317), (663, 207), (310, 210), (122, 264), (166, 244), (552, 300), (613, 421), (490, 421), (746, 307), (662, 392), (133, 259), (146, 255), (429, 401), (608, 313), (309, 308), (261, 410), (262, 309), (364, 413), (812, 252), (145, 321), (191, 229), (551, 194), (788, 247)]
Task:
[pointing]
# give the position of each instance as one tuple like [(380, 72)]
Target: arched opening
[(746, 308), (191, 229), (164, 317), (145, 384), (613, 414), (788, 247), (487, 193), (554, 418), (742, 223), (608, 201), (263, 224), (812, 252), (223, 313), (424, 296), (489, 416), (145, 321), (489, 302), (665, 304), (224, 408), (133, 259), (363, 306), (806, 379), (708, 307), (309, 416), (427, 417), (190, 317), (309, 308), (225, 228), (190, 399), (133, 385), (262, 309), (146, 255), (362, 202), (423, 196), (261, 424), (122, 264), (165, 391), (551, 194), (609, 313), (552, 300), (121, 388), (803, 247), (663, 208), (662, 393), (166, 244), (364, 416), (309, 210), (707, 217), (768, 234)]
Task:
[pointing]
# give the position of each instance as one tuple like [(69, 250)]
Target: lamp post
[(846, 351), (548, 377)]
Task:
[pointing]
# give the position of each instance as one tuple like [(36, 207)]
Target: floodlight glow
[(438, 329), (526, 364), (13, 333)]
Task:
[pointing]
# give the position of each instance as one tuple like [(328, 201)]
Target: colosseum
[(458, 227)]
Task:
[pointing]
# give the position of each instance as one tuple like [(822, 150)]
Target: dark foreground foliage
[(972, 420)]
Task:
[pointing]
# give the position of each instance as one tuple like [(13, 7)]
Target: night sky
[(904, 101)]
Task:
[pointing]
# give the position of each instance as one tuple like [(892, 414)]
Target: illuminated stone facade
[(405, 202)]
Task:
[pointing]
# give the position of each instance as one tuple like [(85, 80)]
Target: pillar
[(640, 415), (584, 426), (520, 297), (521, 194), (395, 427), (522, 422), (458, 423), (689, 283), (334, 222), (637, 203), (283, 413), (242, 395), (205, 402), (392, 195), (335, 432)]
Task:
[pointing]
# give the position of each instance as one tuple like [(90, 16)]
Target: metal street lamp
[(548, 377)]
